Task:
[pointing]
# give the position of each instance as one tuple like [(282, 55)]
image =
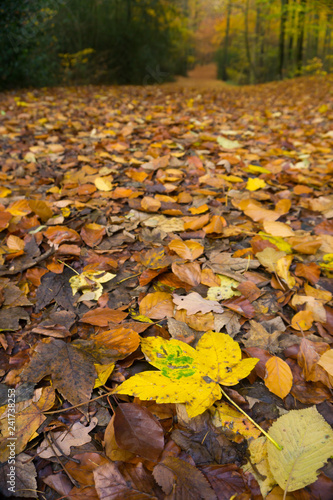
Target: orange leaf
[(34, 275), (208, 278), (4, 220), (302, 320), (195, 223), (103, 316), (20, 207), (278, 377), (119, 338), (190, 273), (311, 272), (55, 266), (85, 189), (189, 250), (149, 204), (41, 208), (92, 234), (59, 234), (156, 305), (199, 210), (283, 206), (256, 212), (121, 192), (216, 225)]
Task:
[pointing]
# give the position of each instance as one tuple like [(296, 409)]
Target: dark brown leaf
[(138, 431)]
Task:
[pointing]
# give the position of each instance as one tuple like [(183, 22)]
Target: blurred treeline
[(51, 42), (65, 42), (263, 40)]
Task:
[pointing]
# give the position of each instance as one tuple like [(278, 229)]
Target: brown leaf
[(25, 476), (306, 392), (56, 287), (102, 316), (157, 305), (92, 234), (137, 431), (4, 219), (72, 369), (27, 421), (119, 481), (240, 305), (258, 336), (189, 250), (249, 290), (182, 479), (120, 339), (226, 480), (311, 272), (190, 272), (59, 234), (308, 356)]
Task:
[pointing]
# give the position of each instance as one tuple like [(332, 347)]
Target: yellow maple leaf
[(187, 375)]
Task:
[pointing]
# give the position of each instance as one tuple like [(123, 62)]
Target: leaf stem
[(64, 263), (252, 421)]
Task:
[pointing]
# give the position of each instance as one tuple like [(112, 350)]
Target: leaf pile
[(167, 245)]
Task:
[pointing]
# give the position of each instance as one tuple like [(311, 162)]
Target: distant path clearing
[(201, 77)]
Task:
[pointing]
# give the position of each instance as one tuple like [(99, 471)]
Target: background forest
[(64, 42)]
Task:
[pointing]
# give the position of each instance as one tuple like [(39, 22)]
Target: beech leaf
[(307, 444)]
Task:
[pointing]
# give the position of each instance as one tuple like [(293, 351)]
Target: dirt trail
[(200, 77)]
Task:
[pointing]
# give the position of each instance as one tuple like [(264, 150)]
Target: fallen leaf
[(72, 369), (102, 316), (227, 417), (157, 305), (189, 273), (226, 290), (182, 479), (121, 480), (307, 444), (189, 250), (26, 423), (138, 431), (61, 442), (193, 303), (302, 320), (278, 377), (188, 375)]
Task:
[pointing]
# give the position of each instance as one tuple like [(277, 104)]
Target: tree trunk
[(291, 34), (327, 41), (247, 44), (300, 35), (226, 44), (283, 22)]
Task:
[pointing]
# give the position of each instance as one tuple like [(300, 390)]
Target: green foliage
[(89, 41)]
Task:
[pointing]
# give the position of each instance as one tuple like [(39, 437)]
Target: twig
[(80, 404), (60, 463), (29, 264)]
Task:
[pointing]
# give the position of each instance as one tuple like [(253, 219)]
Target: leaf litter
[(159, 280)]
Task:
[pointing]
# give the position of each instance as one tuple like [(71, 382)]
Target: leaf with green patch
[(187, 375)]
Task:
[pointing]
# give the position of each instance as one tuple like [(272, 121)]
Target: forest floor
[(184, 228)]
